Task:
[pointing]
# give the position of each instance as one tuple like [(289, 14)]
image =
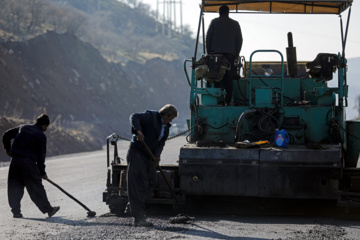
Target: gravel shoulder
[(108, 226)]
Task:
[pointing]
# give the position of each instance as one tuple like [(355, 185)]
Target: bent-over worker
[(152, 127), (27, 167)]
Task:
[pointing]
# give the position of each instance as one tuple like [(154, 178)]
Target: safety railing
[(251, 76)]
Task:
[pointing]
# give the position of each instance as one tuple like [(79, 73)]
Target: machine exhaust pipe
[(291, 57)]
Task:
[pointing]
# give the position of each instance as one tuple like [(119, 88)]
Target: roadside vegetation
[(121, 30)]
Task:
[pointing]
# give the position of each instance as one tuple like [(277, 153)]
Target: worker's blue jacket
[(150, 124)]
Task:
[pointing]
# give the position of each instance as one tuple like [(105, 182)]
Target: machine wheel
[(117, 206)]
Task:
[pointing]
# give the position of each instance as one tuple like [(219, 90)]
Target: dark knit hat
[(43, 119)]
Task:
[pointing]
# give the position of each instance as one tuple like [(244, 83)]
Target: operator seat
[(212, 67), (323, 66)]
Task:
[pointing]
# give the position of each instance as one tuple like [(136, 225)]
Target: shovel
[(162, 174), (181, 218)]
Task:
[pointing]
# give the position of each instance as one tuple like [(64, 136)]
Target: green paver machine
[(231, 149), (320, 160)]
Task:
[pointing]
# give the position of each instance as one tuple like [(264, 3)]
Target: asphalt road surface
[(84, 176)]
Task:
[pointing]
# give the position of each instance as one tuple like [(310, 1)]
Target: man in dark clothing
[(27, 167), (224, 37), (152, 127)]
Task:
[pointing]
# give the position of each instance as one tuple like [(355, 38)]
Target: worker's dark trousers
[(228, 78), (24, 172), (141, 181)]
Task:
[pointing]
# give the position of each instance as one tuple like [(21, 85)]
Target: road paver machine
[(232, 150)]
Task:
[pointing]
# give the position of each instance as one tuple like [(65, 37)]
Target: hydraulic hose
[(238, 126)]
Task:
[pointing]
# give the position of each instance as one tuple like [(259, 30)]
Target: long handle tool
[(90, 213), (162, 174), (180, 218)]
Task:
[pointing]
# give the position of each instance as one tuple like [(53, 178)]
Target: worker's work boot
[(52, 213), (18, 215)]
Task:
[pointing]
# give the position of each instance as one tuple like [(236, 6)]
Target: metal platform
[(293, 172)]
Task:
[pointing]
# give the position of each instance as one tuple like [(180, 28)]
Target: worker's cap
[(43, 119)]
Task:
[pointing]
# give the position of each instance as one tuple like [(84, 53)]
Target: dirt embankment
[(86, 97)]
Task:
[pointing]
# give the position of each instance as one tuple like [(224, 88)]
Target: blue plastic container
[(281, 138)]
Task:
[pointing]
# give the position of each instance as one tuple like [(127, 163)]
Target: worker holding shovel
[(152, 127), (27, 167)]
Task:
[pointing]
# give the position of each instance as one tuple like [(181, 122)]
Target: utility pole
[(169, 20), (181, 22), (171, 10)]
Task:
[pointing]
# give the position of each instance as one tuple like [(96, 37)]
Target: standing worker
[(224, 37), (152, 127), (27, 167)]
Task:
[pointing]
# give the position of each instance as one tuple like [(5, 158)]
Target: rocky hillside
[(89, 65), (72, 82)]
